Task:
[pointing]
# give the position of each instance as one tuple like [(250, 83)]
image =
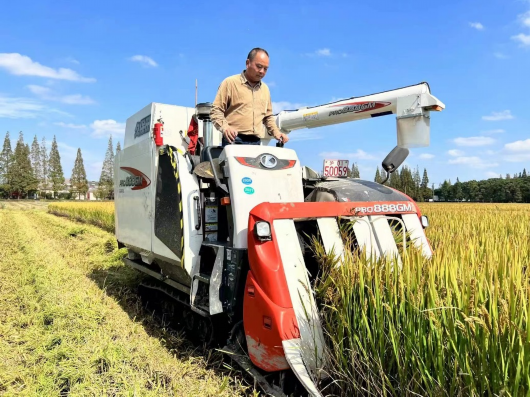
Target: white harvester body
[(227, 229)]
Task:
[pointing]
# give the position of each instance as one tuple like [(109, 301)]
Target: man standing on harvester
[(243, 106)]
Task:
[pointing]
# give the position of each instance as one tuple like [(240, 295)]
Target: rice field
[(99, 213), (453, 325)]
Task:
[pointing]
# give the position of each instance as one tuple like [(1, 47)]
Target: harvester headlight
[(424, 221), (263, 230)]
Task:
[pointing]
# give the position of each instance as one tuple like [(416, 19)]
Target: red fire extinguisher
[(158, 132)]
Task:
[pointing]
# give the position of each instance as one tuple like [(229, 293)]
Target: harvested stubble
[(71, 323)]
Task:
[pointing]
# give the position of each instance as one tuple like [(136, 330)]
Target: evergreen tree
[(6, 159), (425, 191), (395, 180), (445, 188), (118, 147), (78, 179), (44, 160), (106, 179), (36, 160), (457, 190), (355, 171), (377, 178), (55, 169), (417, 184), (524, 173), (21, 173)]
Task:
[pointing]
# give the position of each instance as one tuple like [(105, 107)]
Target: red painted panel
[(264, 256), (266, 325)]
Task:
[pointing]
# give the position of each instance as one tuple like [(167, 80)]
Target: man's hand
[(230, 134), (282, 137)]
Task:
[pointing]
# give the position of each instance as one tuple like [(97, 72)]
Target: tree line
[(33, 171), (510, 189), (36, 172)]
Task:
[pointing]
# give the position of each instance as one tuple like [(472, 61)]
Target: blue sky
[(79, 69)]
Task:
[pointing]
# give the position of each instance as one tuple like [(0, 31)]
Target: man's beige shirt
[(246, 109)]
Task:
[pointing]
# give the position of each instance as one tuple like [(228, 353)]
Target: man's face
[(257, 68)]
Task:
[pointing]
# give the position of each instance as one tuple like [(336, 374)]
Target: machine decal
[(137, 179), (246, 180), (249, 190), (385, 208), (255, 162), (357, 107), (268, 161), (310, 116), (142, 126)]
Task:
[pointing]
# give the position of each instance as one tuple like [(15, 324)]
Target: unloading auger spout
[(411, 105)]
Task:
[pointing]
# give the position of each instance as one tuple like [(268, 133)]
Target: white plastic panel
[(329, 230), (365, 237), (304, 305), (417, 234), (251, 186), (133, 208), (384, 237), (292, 351)]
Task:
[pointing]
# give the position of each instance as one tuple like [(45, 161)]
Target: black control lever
[(279, 143), (218, 183)]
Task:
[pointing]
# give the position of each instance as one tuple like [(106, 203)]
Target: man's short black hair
[(252, 54)]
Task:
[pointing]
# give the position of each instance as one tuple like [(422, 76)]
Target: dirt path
[(71, 323)]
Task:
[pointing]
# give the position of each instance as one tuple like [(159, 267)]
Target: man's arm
[(270, 123), (219, 106)]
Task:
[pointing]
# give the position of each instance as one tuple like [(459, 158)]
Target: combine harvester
[(224, 232)]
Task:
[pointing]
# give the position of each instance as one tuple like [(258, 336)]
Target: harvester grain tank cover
[(358, 107)]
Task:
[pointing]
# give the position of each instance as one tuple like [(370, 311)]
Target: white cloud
[(500, 55), (491, 174), (522, 38), (104, 128), (144, 60), (19, 108), (72, 60), (21, 65), (496, 116), (48, 94), (358, 155), (476, 25), (474, 141), (524, 19), (322, 52), (473, 162), (285, 105), (498, 131), (518, 146), (71, 126), (271, 84), (426, 156), (455, 153), (25, 108)]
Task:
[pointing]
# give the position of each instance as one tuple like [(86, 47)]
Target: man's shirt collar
[(245, 81)]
